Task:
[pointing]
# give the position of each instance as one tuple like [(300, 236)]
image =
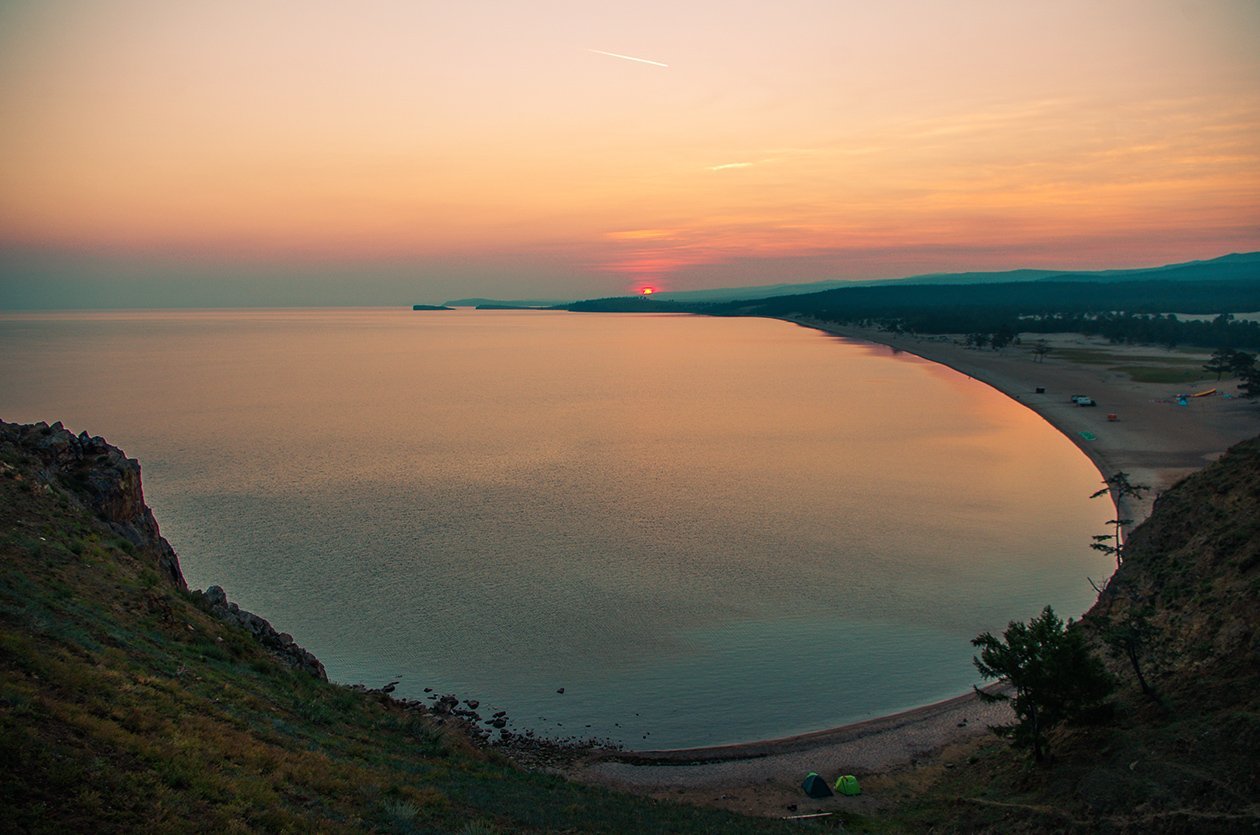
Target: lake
[(705, 530)]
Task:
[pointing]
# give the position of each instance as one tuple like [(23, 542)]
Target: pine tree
[(1112, 544), (1222, 360), (1053, 673)]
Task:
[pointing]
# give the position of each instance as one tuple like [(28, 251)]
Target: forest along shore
[(1153, 439)]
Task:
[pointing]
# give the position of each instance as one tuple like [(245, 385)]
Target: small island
[(430, 307)]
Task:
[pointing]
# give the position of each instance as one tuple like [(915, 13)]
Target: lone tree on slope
[(1132, 637), (1053, 673), (1112, 544)]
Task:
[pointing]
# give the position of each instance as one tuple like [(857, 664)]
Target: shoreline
[(1152, 439), (962, 705)]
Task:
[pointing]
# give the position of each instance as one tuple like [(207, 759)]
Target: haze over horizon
[(159, 154)]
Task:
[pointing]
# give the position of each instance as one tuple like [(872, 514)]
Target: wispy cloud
[(728, 165), (641, 234), (628, 58)]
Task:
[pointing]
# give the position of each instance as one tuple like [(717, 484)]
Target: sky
[(158, 153)]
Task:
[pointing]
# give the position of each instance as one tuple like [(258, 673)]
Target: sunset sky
[(230, 152)]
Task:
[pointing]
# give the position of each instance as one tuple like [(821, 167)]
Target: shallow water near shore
[(704, 530)]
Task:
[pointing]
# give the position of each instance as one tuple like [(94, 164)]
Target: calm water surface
[(705, 530)]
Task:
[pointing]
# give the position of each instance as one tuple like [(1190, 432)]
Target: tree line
[(1121, 311)]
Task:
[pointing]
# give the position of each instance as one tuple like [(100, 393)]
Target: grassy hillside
[(126, 704), (1184, 759)]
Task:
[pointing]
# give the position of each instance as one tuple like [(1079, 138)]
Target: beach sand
[(1153, 439)]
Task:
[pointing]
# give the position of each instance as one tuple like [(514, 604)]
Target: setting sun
[(578, 151)]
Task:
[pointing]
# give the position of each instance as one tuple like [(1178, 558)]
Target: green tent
[(815, 786), (847, 785)]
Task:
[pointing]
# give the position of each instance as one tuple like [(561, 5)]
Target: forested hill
[(1122, 310), (1226, 267)]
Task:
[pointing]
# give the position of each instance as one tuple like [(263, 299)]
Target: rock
[(561, 690), (101, 479), (281, 644)]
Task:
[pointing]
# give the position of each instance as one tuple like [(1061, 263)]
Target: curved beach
[(1152, 438)]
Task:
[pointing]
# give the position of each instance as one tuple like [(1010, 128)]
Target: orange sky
[(489, 148)]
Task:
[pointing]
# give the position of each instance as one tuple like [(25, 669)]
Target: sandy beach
[(1152, 437)]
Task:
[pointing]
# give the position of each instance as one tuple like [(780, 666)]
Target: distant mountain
[(766, 291), (1228, 267)]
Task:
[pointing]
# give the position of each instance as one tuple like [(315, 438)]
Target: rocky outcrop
[(102, 479), (281, 644)]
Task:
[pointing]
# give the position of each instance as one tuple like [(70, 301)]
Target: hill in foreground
[(1181, 758), (128, 702)]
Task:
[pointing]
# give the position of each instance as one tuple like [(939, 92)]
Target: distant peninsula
[(430, 307), (506, 304)]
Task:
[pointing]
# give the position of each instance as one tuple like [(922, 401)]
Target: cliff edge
[(90, 474), (129, 703), (95, 476)]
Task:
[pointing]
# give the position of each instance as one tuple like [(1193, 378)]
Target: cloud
[(629, 58), (641, 234)]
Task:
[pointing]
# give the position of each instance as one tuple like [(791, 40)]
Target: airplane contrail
[(627, 57)]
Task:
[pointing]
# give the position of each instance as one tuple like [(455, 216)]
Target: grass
[(1160, 373), (1169, 367), (1098, 356), (124, 705)]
